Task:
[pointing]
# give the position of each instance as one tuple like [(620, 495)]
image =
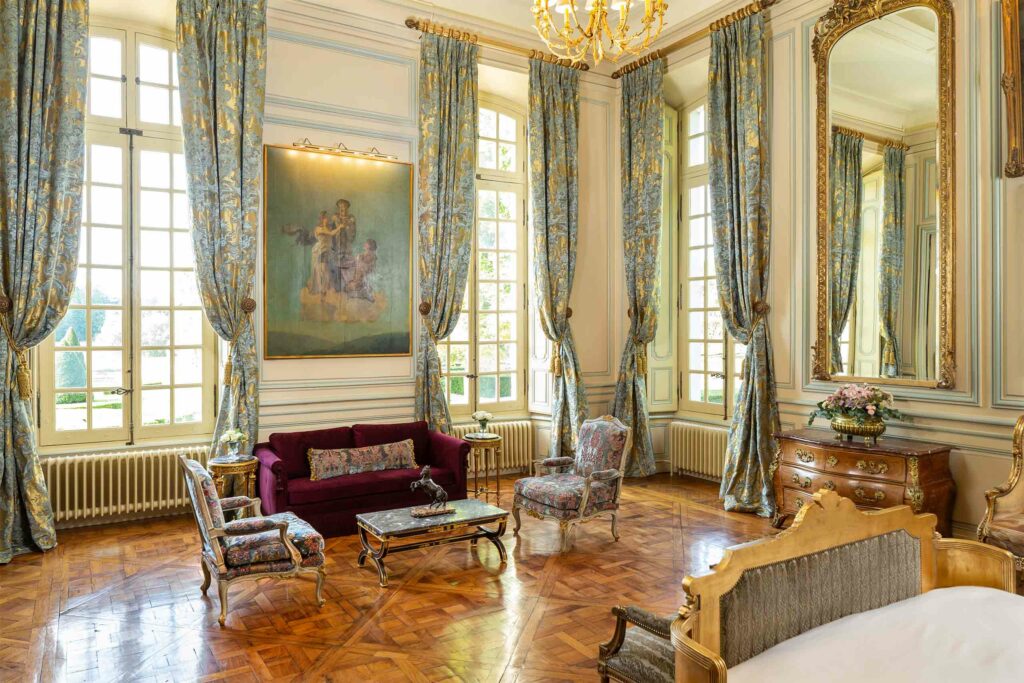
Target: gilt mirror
[(885, 156)]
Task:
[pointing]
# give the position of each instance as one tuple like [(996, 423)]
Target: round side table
[(244, 466), (482, 446)]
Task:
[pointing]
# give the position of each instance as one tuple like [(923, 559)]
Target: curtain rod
[(427, 26), (877, 139), (696, 36)]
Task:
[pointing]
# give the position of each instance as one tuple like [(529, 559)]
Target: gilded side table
[(486, 448), (244, 466)]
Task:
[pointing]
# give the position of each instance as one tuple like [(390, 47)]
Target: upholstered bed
[(842, 595)]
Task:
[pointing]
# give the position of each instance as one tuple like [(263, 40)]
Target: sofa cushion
[(327, 463), (374, 434), (291, 447), (306, 491), (267, 546)]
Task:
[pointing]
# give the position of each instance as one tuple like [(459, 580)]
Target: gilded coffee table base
[(384, 547)]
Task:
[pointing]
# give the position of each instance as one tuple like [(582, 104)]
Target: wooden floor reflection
[(122, 602)]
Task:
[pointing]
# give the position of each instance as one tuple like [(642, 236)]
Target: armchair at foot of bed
[(641, 653), (1003, 525)]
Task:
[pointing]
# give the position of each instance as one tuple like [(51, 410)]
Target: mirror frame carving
[(1011, 84), (840, 19)]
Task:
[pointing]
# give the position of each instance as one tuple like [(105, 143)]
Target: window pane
[(507, 237), (696, 206), (107, 410), (507, 327), (154, 64), (107, 327), (507, 296), (182, 212), (461, 332), (697, 155), (488, 388), (156, 406), (488, 358), (507, 266), (184, 256), (156, 288), (488, 155), (696, 296), (716, 390), (488, 123), (106, 205), (105, 164), (154, 104), (71, 412), (154, 209), (716, 360), (716, 330), (506, 157), (696, 263), (506, 387), (506, 128), (156, 169), (696, 330), (696, 123), (106, 368), (696, 392), (156, 328), (488, 204), (458, 356), (154, 248), (70, 370), (487, 266), (459, 391), (488, 328), (79, 291), (696, 232), (105, 56), (107, 246), (105, 97), (696, 357), (71, 330), (488, 297), (180, 179), (188, 404), (188, 328), (507, 206), (186, 289), (156, 367), (487, 234), (507, 359), (106, 286)]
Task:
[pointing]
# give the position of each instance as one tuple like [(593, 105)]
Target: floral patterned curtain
[(845, 185), (447, 200), (222, 58), (741, 196), (890, 265), (43, 61), (554, 183), (642, 134)]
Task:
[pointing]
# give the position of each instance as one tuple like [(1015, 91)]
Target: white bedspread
[(966, 634)]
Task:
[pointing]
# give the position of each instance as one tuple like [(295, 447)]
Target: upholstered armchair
[(643, 653), (576, 490), (1003, 525), (278, 546)]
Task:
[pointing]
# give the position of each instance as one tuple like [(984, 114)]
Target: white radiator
[(109, 487), (517, 442), (698, 450)]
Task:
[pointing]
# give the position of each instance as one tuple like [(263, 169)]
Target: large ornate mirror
[(885, 152)]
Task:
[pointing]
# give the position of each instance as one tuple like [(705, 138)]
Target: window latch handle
[(121, 391)]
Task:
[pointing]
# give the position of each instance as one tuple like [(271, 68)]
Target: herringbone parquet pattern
[(122, 602)]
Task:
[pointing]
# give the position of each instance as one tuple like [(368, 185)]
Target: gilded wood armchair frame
[(830, 521), (841, 18), (1011, 494), (1012, 88), (212, 559)]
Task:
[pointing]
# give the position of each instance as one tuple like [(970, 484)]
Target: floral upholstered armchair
[(579, 489), (279, 546), (644, 653), (1003, 525)]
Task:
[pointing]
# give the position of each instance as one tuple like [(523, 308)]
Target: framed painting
[(337, 255)]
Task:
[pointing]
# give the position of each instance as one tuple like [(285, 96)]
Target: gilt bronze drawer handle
[(805, 484), (872, 467), (832, 461), (861, 494), (829, 485), (804, 456), (799, 503)]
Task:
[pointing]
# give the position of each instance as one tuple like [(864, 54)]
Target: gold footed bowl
[(847, 428)]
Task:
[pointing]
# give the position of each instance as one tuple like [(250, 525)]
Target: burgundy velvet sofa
[(331, 505)]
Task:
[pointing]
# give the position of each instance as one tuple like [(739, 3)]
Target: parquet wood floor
[(122, 602)]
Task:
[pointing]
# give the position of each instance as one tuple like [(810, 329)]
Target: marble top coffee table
[(388, 526)]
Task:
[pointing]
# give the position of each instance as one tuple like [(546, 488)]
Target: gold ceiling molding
[(428, 26), (696, 36), (877, 139)]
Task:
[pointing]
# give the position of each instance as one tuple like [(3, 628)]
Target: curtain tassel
[(556, 359), (641, 359), (23, 374), (248, 306)]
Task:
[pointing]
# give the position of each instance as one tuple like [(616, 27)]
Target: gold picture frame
[(1012, 88), (401, 280), (840, 19)]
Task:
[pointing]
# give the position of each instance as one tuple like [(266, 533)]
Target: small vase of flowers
[(482, 417), (233, 439), (858, 410)]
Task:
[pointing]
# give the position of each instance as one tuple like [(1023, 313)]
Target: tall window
[(484, 360), (134, 359), (712, 363)]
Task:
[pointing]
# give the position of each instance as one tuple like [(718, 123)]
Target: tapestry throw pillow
[(325, 463)]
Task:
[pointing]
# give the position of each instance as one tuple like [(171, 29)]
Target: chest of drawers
[(892, 472)]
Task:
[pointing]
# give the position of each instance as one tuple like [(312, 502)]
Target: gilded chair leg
[(222, 589), (615, 525), (565, 532), (515, 514), (320, 574), (206, 576)]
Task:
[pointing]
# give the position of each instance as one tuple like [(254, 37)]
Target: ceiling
[(149, 12)]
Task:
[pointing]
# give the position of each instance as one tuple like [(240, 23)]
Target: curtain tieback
[(424, 308), (24, 374), (761, 311), (641, 357), (248, 306)]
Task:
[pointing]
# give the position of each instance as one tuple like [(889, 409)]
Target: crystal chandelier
[(570, 39)]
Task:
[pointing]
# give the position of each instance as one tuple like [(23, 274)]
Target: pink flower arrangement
[(859, 402)]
